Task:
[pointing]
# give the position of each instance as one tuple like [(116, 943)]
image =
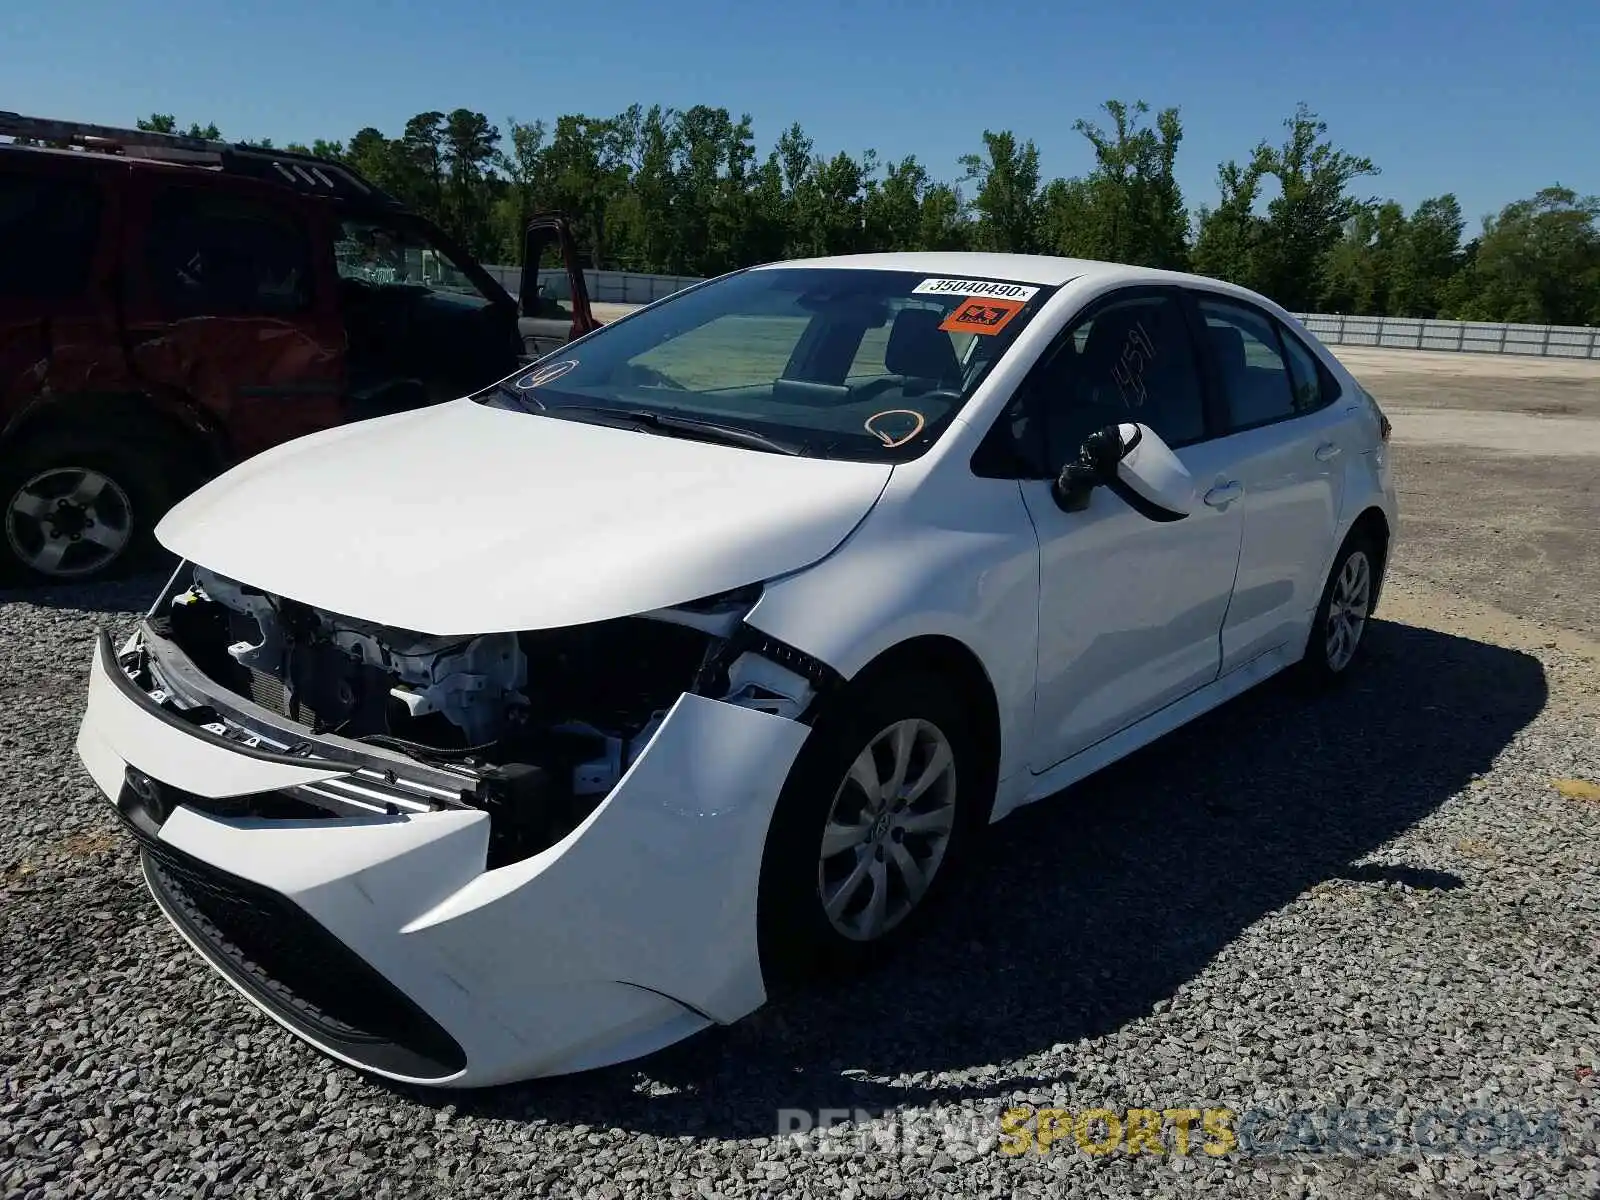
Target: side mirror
[(1133, 462), (1096, 466)]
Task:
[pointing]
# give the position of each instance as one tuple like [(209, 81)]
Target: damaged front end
[(535, 728)]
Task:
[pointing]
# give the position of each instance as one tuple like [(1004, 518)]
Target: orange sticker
[(981, 314)]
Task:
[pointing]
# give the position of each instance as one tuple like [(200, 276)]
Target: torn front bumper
[(385, 941)]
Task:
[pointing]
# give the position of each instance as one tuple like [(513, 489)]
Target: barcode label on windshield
[(976, 287)]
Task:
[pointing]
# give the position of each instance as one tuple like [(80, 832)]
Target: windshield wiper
[(525, 400), (711, 431)]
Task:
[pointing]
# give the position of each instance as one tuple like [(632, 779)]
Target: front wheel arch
[(954, 660)]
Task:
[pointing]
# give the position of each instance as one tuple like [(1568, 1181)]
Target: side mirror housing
[(1132, 461)]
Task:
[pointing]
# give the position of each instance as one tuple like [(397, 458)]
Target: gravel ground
[(1294, 905), (1381, 903)]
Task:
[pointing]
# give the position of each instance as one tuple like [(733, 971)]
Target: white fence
[(1400, 333), (1468, 337)]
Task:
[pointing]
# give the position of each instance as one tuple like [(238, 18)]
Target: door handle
[(1327, 451), (1224, 494)]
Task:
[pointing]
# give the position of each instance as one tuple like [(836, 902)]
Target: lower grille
[(293, 966)]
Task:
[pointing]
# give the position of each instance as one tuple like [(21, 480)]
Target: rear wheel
[(78, 509), (1339, 629), (872, 823)]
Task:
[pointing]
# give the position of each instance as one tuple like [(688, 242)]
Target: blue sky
[(1489, 100)]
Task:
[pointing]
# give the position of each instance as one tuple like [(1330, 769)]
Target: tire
[(799, 940), (50, 535), (1347, 602)]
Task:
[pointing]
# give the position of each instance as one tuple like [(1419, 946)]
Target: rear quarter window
[(1314, 385), (49, 227)]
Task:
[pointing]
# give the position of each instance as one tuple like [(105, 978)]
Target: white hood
[(464, 519)]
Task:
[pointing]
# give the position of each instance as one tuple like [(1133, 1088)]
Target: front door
[(224, 308), (1286, 447), (1130, 608)]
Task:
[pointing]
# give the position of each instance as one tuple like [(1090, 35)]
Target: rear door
[(58, 255), (1284, 446), (225, 307)]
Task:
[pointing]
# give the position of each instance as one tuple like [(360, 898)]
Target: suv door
[(425, 322), (554, 300), (58, 312), (1130, 608), (224, 307), (1285, 441)]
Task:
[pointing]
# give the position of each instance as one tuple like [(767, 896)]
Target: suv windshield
[(844, 363)]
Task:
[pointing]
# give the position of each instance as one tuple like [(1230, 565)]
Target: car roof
[(1042, 269)]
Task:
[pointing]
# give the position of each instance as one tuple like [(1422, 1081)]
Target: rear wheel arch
[(193, 443), (1372, 526)]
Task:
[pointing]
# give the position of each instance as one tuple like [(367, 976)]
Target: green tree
[(166, 123), (1006, 198), (1427, 259), (1538, 261), (421, 163), (470, 143), (1306, 219), (1230, 234), (1130, 208)]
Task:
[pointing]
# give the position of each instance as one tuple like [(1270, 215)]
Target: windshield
[(379, 252), (842, 363)]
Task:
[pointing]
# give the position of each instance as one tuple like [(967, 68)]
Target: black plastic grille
[(295, 967)]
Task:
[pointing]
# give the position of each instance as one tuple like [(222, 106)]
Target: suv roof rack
[(304, 172)]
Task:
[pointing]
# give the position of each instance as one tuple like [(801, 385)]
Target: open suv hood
[(465, 519)]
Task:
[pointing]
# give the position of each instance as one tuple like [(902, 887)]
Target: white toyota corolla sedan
[(536, 730)]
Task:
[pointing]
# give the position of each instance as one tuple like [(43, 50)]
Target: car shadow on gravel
[(133, 594), (1091, 909)]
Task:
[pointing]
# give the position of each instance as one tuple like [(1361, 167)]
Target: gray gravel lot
[(1376, 902)]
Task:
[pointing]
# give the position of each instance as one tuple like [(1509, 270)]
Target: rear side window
[(1256, 381), (48, 231), (213, 254)]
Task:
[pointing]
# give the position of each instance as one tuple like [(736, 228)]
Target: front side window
[(373, 251), (213, 254), (1129, 360), (832, 362)]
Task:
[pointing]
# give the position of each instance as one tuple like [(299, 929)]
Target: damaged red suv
[(171, 306)]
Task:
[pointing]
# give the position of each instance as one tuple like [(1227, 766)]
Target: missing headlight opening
[(535, 727)]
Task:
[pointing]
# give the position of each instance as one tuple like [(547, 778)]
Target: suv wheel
[(73, 510)]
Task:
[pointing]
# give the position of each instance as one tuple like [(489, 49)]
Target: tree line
[(687, 192)]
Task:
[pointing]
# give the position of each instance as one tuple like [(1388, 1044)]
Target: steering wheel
[(641, 375), (874, 388)]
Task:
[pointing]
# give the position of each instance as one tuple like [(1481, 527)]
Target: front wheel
[(1339, 628), (871, 825)]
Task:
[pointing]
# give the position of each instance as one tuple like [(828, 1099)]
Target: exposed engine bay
[(538, 726)]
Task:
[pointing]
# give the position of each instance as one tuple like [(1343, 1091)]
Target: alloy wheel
[(888, 829), (69, 521), (1347, 611)]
